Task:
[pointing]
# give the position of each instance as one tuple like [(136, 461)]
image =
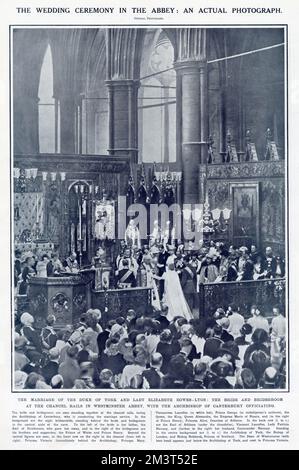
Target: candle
[(36, 208)]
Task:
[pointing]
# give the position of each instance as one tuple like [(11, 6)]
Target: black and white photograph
[(149, 221)]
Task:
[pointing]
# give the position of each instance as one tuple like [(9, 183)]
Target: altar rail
[(265, 293)]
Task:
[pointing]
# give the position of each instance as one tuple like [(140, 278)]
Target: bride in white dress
[(173, 295)]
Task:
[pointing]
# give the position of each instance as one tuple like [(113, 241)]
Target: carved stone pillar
[(123, 116), (26, 136), (68, 113), (192, 104), (123, 54)]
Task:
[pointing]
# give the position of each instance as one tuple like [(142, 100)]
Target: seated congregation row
[(222, 351)]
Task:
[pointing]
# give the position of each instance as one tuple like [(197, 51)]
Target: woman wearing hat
[(222, 372), (229, 352)]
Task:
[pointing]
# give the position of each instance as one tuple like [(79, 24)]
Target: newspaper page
[(149, 219)]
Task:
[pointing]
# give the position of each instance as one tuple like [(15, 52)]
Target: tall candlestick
[(80, 225), (36, 208)]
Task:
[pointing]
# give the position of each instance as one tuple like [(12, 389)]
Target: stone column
[(192, 106), (68, 124), (166, 125), (123, 116), (26, 124), (194, 123)]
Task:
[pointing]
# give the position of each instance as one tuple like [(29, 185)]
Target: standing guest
[(131, 317), (167, 348), (236, 321), (20, 378), (180, 264), (54, 266), (131, 370), (197, 335), (86, 354), (69, 369), (104, 335), (257, 320), (208, 272), (127, 269), (27, 273), (126, 350), (34, 362), (57, 382), (243, 341), (258, 363), (188, 348), (161, 267), (232, 270), (171, 259), (32, 380), (17, 267), (222, 270), (31, 335), (41, 266), (259, 342), (213, 343), (211, 321), (199, 374), (119, 331), (86, 378), (258, 268), (75, 337), (106, 379), (161, 317), (243, 338), (222, 373), (269, 379), (280, 267), (121, 250), (254, 254), (278, 330), (71, 264), (225, 325), (248, 271), (93, 319), (62, 337), (230, 352), (51, 367), (82, 325), (243, 250), (270, 263), (189, 282), (93, 329), (153, 374), (148, 273), (245, 379), (48, 334), (153, 337), (20, 359), (179, 373), (176, 326), (278, 324), (111, 358)]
